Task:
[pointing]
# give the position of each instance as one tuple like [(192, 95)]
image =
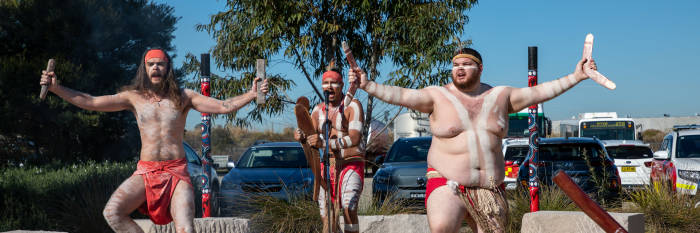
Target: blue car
[(194, 168), (402, 173), (277, 169)]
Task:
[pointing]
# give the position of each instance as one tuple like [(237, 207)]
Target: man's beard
[(466, 85)]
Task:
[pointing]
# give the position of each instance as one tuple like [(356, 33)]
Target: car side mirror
[(379, 160), (662, 155), (230, 165)]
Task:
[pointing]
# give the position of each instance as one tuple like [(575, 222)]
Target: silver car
[(402, 173)]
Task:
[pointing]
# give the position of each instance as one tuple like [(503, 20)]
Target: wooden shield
[(301, 110)]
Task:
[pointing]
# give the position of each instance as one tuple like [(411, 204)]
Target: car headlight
[(381, 179), (693, 176), (226, 185)]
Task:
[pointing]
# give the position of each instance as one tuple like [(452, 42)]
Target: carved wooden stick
[(590, 207), (350, 94), (260, 73), (45, 88)]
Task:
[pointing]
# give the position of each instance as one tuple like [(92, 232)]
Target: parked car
[(277, 169), (632, 159), (195, 169), (514, 152), (677, 163), (583, 159), (402, 173)]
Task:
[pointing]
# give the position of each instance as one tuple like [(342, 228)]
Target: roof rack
[(680, 127)]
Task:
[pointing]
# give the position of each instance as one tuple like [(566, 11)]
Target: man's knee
[(111, 215), (443, 226)]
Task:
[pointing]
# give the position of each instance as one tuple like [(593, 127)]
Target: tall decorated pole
[(533, 181), (206, 147)]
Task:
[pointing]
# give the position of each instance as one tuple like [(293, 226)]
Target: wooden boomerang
[(45, 88), (594, 74), (301, 110)]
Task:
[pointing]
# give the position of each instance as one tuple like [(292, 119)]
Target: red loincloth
[(161, 178)]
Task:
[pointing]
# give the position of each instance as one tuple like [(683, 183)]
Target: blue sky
[(648, 48)]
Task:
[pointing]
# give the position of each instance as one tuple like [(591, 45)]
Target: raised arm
[(206, 104), (107, 103), (521, 98), (419, 100)]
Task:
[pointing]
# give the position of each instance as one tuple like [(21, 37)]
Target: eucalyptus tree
[(417, 37)]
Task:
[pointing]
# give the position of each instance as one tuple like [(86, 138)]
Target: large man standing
[(346, 149), (160, 107), (468, 121)]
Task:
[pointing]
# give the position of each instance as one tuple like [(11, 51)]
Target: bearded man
[(160, 187)]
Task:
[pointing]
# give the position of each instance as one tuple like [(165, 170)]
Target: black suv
[(583, 159)]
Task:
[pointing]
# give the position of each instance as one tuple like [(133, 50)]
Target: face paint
[(466, 67), (330, 85)]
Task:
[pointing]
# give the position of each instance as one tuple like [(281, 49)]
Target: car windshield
[(409, 151), (516, 153), (273, 157), (688, 146), (629, 152), (568, 152)]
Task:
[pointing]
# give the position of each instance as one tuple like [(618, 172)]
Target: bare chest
[(455, 113), (162, 112)]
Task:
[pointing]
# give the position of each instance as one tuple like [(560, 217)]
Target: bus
[(518, 124), (607, 126)]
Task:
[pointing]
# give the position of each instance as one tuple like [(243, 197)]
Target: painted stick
[(594, 74), (590, 207), (260, 73), (45, 88), (533, 181), (206, 147), (350, 94)]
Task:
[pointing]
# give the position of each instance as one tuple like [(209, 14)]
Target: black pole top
[(204, 65), (532, 58)]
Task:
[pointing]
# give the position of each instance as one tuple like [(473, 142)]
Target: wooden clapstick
[(350, 94), (260, 73), (590, 207), (301, 110), (594, 74), (45, 88)]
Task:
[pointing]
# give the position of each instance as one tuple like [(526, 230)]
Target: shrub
[(66, 199)]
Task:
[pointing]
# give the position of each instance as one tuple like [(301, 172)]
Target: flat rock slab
[(404, 223), (202, 225), (576, 221), (23, 231)]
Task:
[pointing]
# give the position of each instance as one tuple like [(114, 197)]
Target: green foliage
[(417, 36), (96, 45), (227, 87), (66, 198), (275, 215), (665, 210), (551, 198), (654, 137)]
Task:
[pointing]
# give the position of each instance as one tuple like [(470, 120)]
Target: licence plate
[(628, 169), (417, 195)]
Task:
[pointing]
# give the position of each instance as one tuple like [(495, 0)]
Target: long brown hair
[(171, 85)]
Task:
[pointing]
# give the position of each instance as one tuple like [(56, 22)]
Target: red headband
[(155, 53), (332, 75)]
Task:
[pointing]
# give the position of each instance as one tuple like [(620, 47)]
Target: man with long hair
[(468, 120), (346, 150), (160, 106)]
